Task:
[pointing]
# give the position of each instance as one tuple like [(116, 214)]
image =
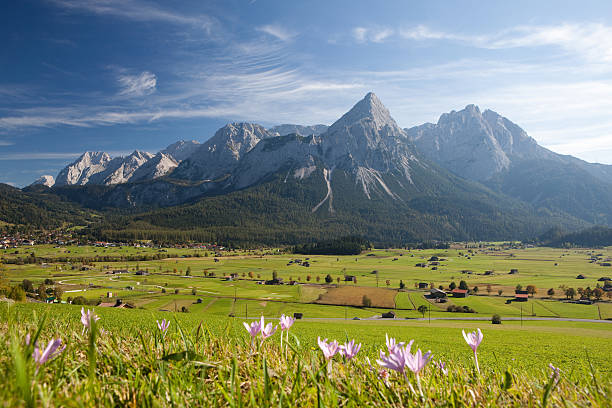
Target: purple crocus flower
[(266, 329), (392, 344), (87, 318), (252, 328), (43, 354), (286, 322), (474, 339), (329, 349), (556, 373), (163, 326), (396, 360), (349, 349), (417, 361)]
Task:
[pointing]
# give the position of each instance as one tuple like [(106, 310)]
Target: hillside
[(37, 208)]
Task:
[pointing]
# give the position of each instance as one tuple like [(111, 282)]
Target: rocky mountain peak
[(45, 180), (369, 109), (80, 171), (181, 149)]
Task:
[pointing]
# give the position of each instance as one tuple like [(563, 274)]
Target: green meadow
[(207, 359)]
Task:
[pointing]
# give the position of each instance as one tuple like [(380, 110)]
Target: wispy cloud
[(6, 143), (375, 35), (137, 85), (592, 40), (277, 31), (135, 10)]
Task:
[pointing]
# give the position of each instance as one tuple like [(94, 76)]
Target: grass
[(208, 361)]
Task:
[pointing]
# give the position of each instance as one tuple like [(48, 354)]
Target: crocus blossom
[(286, 322), (473, 339), (397, 358), (417, 361), (252, 328), (267, 330), (329, 349), (392, 344), (43, 354), (349, 349), (87, 318), (556, 372), (163, 326)]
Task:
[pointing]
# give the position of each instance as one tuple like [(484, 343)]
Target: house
[(349, 278), (436, 293), (388, 315), (521, 297), (460, 293), (513, 271), (277, 281), (580, 277), (297, 315), (423, 285)]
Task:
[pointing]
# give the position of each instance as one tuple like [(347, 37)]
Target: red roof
[(459, 290), (521, 295)]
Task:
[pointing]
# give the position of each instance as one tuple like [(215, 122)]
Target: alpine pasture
[(202, 354)]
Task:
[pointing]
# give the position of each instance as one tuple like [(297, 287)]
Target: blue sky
[(119, 75)]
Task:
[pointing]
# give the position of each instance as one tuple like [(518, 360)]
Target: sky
[(120, 75)]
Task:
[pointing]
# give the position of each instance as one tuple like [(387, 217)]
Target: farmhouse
[(388, 315), (521, 297), (423, 285), (349, 278), (436, 293), (460, 293)]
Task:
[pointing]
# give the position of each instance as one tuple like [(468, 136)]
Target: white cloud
[(375, 35), (591, 40), (138, 85), (6, 143), (276, 31)]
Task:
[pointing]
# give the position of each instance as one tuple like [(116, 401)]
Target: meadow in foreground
[(53, 360)]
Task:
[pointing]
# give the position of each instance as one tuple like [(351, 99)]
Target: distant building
[(521, 297), (460, 293), (436, 293), (423, 285), (388, 315)]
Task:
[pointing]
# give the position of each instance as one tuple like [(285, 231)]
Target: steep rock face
[(45, 180), (80, 171), (158, 166), (220, 154), (181, 150), (288, 129), (292, 153), (367, 142), (489, 148), (464, 143), (120, 169)]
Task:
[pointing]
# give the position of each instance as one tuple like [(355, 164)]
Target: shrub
[(366, 301), (496, 319)]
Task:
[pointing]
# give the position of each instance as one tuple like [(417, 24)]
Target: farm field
[(378, 274)]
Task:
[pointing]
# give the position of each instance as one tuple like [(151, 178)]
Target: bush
[(366, 301), (496, 319)]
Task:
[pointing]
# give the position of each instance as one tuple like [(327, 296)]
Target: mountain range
[(472, 175)]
